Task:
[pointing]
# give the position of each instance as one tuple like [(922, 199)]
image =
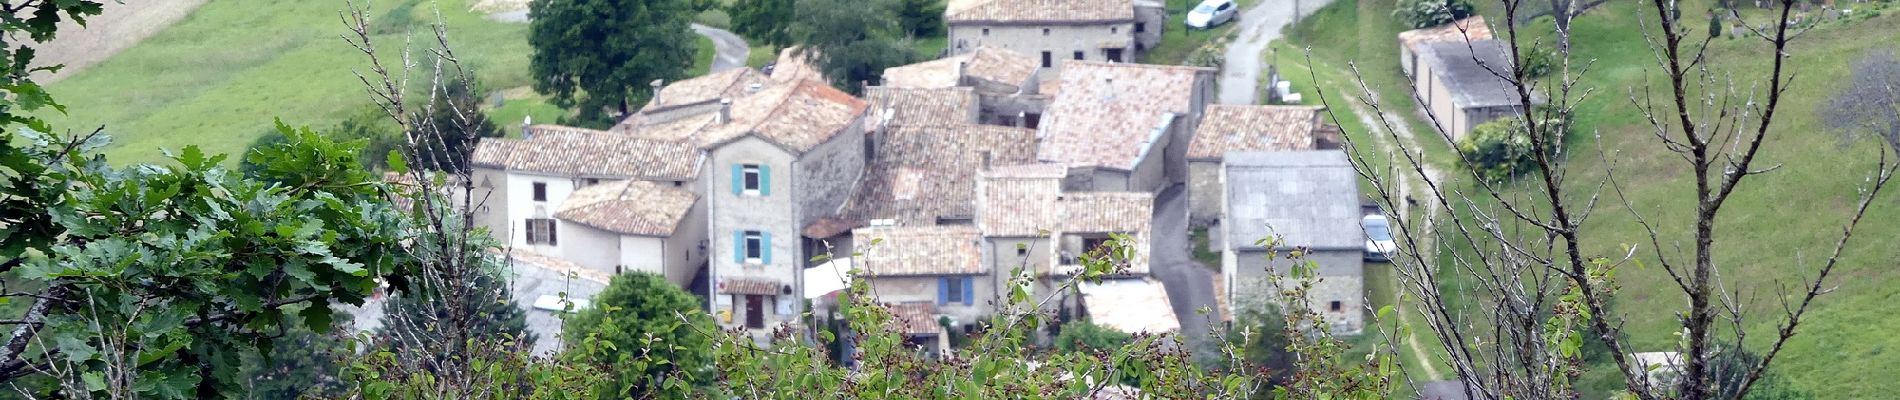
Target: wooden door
[(755, 312)]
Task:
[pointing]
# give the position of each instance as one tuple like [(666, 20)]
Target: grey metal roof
[(1470, 83), (1308, 198)]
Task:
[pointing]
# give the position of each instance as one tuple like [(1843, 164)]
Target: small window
[(1078, 55), (1141, 27), (1032, 120), (1047, 59), (1022, 251), (1045, 31), (679, 183), (986, 31), (589, 182), (752, 179), (541, 231), (754, 247), (1336, 306), (540, 191), (953, 290), (1114, 29)]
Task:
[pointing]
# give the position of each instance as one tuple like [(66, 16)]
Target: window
[(1078, 54), (1031, 120), (1114, 29), (541, 231), (1114, 55), (589, 182), (956, 290), (1141, 27), (1336, 306), (751, 180), (1045, 31), (754, 247), (1046, 60), (986, 31), (540, 191), (1022, 251)]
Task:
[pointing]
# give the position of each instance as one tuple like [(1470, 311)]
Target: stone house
[(1230, 128), (522, 183), (940, 267), (1057, 31), (633, 225), (1308, 200), (1007, 83), (1030, 223), (1124, 127)]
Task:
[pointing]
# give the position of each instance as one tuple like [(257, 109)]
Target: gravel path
[(1240, 71)]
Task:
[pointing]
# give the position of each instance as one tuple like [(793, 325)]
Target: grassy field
[(1764, 240), (213, 81)]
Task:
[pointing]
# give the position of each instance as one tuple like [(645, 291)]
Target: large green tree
[(599, 55), (922, 18), (764, 22), (851, 41), (651, 334)]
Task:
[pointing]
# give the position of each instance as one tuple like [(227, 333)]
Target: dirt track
[(120, 27)]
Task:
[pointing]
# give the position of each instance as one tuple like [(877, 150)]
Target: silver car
[(1212, 13)]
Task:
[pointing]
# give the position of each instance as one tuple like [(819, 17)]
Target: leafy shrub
[(1082, 335), (1501, 149), (1430, 13)]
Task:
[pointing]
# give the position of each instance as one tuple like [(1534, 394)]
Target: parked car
[(1379, 244), (1212, 13)]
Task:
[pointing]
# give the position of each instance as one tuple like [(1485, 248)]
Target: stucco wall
[(774, 213), (826, 174), (903, 289), (1153, 20), (1341, 278), (1204, 192), (684, 254), (589, 247), (521, 207), (1062, 41), (490, 200), (1001, 254)]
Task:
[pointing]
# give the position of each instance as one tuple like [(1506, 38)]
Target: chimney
[(657, 84), (526, 121), (755, 87), (725, 111), (986, 159), (960, 71)]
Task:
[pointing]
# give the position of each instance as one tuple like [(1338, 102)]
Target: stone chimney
[(985, 155), (657, 84), (961, 68), (526, 121), (725, 111)]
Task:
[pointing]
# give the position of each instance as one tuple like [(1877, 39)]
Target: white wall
[(643, 254), (593, 248), (521, 207)]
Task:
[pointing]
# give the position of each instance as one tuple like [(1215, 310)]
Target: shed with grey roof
[(1462, 84), (1305, 200)]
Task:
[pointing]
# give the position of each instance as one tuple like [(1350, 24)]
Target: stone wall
[(1061, 41), (826, 174), (1341, 279), (1204, 192)]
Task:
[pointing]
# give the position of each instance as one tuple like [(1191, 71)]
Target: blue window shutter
[(969, 291), (738, 247), (738, 178), (765, 180), (943, 291), (765, 244)]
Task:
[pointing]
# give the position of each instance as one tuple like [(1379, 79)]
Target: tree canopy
[(599, 55), (764, 22), (653, 335), (851, 41)]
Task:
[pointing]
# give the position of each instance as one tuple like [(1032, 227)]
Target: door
[(1114, 55), (755, 312)]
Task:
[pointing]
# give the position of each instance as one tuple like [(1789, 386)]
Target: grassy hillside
[(1774, 225)]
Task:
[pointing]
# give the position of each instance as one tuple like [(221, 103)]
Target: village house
[(635, 226), (1228, 128), (1124, 127), (1457, 73), (1031, 224), (1008, 84), (1057, 31), (938, 270), (1302, 200), (522, 183)]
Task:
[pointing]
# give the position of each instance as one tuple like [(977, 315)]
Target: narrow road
[(1241, 69), (729, 50), (1190, 286)]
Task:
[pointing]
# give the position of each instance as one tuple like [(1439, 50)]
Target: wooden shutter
[(765, 180), (943, 291), (738, 178), (969, 290), (738, 247)]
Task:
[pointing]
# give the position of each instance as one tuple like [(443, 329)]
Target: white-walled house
[(521, 183), (635, 226)]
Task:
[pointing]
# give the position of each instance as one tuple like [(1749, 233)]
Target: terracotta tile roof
[(1106, 114), (764, 287), (794, 65), (1017, 207), (986, 63), (918, 174), (795, 116), (1106, 212), (1226, 128), (525, 258), (1028, 11), (569, 151), (905, 106), (916, 318), (1473, 27), (1037, 170), (705, 88), (629, 207), (918, 250)]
